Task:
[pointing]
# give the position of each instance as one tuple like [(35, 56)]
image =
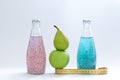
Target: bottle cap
[(35, 20), (86, 21)]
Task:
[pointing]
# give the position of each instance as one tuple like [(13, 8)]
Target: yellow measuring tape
[(102, 70)]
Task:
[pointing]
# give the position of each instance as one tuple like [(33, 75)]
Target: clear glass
[(87, 31), (86, 55), (36, 28), (36, 56)]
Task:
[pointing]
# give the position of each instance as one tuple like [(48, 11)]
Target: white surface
[(20, 74), (16, 22)]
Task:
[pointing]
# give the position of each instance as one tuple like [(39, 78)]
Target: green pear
[(60, 41)]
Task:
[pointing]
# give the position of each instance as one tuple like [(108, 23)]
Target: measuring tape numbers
[(102, 70)]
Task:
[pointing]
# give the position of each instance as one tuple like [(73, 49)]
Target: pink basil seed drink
[(36, 57)]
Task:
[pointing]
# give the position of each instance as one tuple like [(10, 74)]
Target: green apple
[(59, 59)]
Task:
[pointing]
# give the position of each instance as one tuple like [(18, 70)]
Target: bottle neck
[(87, 31), (36, 28)]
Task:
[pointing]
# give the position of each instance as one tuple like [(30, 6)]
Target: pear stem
[(56, 27)]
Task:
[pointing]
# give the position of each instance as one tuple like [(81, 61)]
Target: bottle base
[(34, 73)]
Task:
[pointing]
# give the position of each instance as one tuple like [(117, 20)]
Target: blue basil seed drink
[(86, 56)]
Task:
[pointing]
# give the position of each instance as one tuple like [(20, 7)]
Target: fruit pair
[(59, 58)]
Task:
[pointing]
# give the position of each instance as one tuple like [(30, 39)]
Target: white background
[(16, 22)]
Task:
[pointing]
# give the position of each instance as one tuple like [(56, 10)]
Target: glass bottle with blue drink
[(86, 56)]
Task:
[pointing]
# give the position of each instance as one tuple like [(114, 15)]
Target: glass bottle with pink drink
[(36, 56)]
